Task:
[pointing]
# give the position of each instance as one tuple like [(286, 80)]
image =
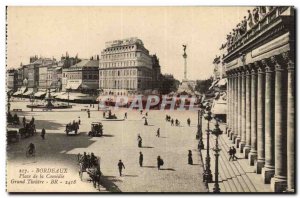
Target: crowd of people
[(252, 18)]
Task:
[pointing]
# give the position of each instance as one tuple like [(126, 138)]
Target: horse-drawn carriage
[(72, 128), (96, 129), (27, 131), (13, 120), (91, 165)]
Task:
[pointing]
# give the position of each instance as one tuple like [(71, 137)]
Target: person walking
[(141, 159), (139, 141), (79, 121), (43, 133), (160, 162), (125, 115), (233, 153), (190, 158), (121, 166), (89, 113), (146, 122), (103, 114), (172, 122), (189, 121), (230, 152), (158, 132)]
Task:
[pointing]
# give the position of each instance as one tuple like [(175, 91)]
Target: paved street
[(119, 142)]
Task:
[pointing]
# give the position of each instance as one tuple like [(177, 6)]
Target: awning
[(17, 93), (222, 82), (40, 93), (23, 89), (54, 94), (60, 95), (80, 96), (73, 85), (28, 92)]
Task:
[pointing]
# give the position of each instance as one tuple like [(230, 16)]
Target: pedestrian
[(24, 121), (146, 122), (160, 162), (79, 121), (32, 120), (88, 112), (93, 106), (233, 153), (141, 159), (172, 122), (140, 140), (189, 121), (190, 158), (43, 133), (158, 132), (121, 166), (141, 111), (146, 113), (125, 115), (230, 152), (103, 114)]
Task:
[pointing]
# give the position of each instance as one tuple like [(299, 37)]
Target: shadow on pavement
[(130, 175), (170, 169), (149, 167), (108, 135), (147, 147), (108, 183)]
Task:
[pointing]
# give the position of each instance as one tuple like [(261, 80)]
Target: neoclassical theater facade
[(260, 68)]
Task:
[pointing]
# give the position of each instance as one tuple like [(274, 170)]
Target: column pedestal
[(259, 164), (237, 142), (278, 184), (241, 147), (267, 174), (252, 158), (246, 151)]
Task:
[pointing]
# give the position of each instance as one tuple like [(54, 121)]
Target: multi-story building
[(11, 79), (81, 77), (43, 73), (125, 67)]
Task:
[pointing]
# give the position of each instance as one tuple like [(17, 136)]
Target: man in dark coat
[(121, 166), (141, 159), (43, 133)]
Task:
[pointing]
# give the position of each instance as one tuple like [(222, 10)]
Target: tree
[(202, 86), (168, 84)]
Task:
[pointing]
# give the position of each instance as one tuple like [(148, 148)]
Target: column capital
[(278, 62), (289, 59), (254, 71), (267, 65)]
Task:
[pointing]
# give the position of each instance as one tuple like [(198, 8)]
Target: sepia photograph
[(150, 99)]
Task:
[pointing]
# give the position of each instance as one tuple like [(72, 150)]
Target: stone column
[(291, 126), (243, 113), (279, 181), (253, 151), (236, 110), (269, 168), (228, 116), (248, 114), (260, 120), (237, 136)]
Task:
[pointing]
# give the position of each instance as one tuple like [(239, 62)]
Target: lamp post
[(68, 91), (199, 132), (217, 131), (207, 176)]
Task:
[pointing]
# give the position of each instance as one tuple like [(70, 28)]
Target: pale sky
[(51, 31)]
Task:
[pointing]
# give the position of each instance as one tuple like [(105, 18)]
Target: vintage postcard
[(150, 99)]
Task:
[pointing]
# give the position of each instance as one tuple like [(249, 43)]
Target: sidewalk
[(234, 176)]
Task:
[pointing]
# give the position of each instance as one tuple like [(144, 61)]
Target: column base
[(267, 174), (241, 147), (246, 151), (231, 136), (278, 184), (252, 158), (259, 164), (229, 132), (237, 142)]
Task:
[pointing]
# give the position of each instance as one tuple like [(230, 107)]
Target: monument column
[(243, 112), (269, 168), (279, 181), (248, 113), (253, 151), (260, 120), (291, 124)]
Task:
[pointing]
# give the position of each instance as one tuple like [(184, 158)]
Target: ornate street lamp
[(217, 131), (207, 176), (199, 127)]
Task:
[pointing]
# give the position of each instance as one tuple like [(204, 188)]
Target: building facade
[(12, 79), (125, 67), (81, 77), (260, 67)]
